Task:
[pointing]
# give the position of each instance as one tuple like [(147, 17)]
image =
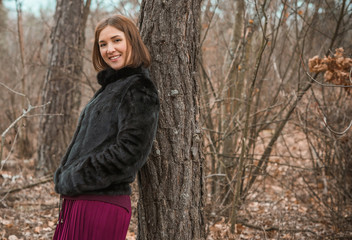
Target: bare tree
[(171, 184), (3, 16), (62, 78)]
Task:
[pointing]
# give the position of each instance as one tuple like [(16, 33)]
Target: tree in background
[(60, 87), (171, 184), (3, 16), (3, 20)]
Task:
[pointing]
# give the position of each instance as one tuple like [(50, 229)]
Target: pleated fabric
[(92, 220)]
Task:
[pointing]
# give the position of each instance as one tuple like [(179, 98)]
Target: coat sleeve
[(137, 123)]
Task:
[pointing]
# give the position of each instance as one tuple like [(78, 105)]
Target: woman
[(113, 138)]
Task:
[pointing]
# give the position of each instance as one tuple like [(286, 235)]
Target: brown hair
[(135, 46)]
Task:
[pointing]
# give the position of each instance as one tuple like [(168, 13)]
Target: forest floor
[(280, 206), (290, 202)]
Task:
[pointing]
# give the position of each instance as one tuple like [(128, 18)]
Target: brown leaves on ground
[(32, 212), (281, 205), (337, 68)]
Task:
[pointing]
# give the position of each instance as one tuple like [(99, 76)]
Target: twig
[(10, 89), (328, 85), (330, 128), (24, 114), (215, 175), (273, 228), (2, 200), (211, 19), (339, 22), (12, 190), (335, 132)]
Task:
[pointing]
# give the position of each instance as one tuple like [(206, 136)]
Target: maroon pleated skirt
[(92, 220)]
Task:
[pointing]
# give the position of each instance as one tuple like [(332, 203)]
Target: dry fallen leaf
[(37, 229), (13, 237), (51, 224), (239, 228)]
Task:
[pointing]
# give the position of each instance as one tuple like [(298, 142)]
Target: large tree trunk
[(171, 184), (60, 87)]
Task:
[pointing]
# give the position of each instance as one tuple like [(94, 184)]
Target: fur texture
[(114, 136)]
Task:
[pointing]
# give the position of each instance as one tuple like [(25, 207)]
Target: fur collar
[(110, 75)]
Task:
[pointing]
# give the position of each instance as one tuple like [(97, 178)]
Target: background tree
[(171, 184), (62, 78), (3, 16)]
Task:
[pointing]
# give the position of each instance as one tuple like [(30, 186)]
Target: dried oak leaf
[(339, 52), (337, 68), (317, 65), (328, 76)]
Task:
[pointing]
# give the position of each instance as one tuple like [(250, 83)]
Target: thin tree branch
[(211, 19), (10, 89), (41, 181), (24, 114), (328, 85), (336, 132), (273, 228)]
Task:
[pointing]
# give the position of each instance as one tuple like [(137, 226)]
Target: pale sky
[(33, 6)]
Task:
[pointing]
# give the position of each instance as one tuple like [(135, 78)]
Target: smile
[(114, 58)]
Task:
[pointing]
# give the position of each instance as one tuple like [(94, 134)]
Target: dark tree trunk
[(171, 183), (63, 77)]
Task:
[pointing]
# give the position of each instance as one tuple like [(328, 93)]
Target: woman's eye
[(117, 40), (102, 44)]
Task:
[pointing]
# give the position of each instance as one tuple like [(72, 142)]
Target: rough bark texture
[(171, 184), (60, 87)]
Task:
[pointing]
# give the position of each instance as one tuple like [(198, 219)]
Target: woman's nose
[(111, 48)]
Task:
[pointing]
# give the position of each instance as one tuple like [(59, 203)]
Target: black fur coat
[(114, 136)]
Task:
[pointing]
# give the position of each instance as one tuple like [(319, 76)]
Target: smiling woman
[(113, 138)]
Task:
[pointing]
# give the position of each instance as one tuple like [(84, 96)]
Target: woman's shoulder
[(142, 82), (142, 91)]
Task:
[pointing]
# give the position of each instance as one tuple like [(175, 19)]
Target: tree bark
[(61, 81), (171, 183)]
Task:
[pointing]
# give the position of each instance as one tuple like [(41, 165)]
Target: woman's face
[(113, 47)]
